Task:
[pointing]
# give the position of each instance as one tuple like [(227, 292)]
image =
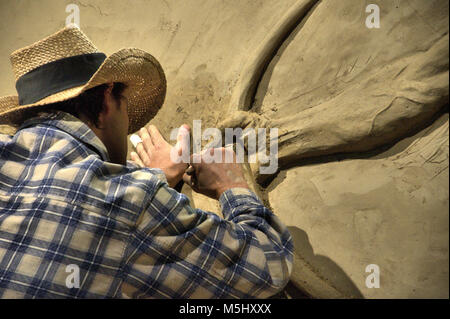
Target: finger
[(191, 181), (142, 153), (228, 154), (187, 179), (183, 139), (146, 140), (229, 147), (135, 157), (183, 131), (157, 138), (196, 160), (186, 126), (190, 170)]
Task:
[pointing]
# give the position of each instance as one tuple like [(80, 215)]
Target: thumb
[(190, 170), (188, 179)]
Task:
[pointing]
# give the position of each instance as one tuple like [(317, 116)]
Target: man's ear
[(108, 99), (107, 105)]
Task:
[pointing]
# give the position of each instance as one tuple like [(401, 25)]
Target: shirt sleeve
[(177, 251), (155, 171), (132, 164)]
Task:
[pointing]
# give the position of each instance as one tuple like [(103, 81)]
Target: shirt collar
[(71, 125)]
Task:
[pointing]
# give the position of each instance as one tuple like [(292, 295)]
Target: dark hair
[(90, 103)]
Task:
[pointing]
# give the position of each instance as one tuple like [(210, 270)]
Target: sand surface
[(362, 117)]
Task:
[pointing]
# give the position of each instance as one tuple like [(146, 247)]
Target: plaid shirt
[(73, 224)]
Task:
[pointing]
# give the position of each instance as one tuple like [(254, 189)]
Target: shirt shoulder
[(46, 161)]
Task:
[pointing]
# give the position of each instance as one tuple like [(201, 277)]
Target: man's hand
[(154, 152), (212, 179)]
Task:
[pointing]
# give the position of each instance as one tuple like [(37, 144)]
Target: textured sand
[(362, 115)]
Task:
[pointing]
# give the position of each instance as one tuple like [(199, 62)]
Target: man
[(79, 220)]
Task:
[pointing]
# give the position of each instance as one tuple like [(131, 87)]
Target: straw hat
[(65, 64)]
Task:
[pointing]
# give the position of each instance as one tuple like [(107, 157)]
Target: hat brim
[(138, 70)]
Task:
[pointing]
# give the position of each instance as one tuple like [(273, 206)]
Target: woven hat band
[(57, 76)]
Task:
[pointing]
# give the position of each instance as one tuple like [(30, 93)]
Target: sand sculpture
[(362, 117)]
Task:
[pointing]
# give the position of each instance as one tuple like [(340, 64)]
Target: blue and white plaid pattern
[(63, 203)]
